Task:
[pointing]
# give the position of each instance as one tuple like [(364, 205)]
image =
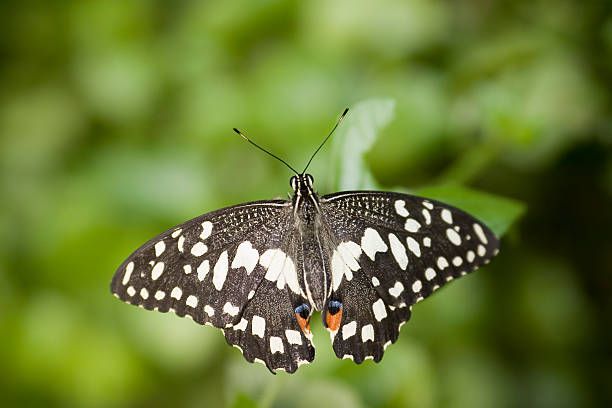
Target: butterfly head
[(305, 200), (301, 184)]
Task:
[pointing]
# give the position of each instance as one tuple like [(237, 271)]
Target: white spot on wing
[(293, 337), (371, 242), (457, 261), (209, 310), (206, 230), (131, 291), (427, 204), (220, 271), (199, 249), (400, 208), (397, 289), (230, 309), (177, 233), (349, 330), (442, 263), (481, 235), (427, 242), (446, 215), (344, 262), (290, 277), (260, 361), (375, 281), (427, 216), (280, 269), (203, 269), (379, 310), (242, 325), (160, 247), (302, 362), (128, 272), (417, 286), (192, 301), (430, 273), (453, 236), (481, 250), (258, 326), (273, 260), (350, 252), (413, 246), (399, 251), (159, 295), (246, 256), (276, 345), (176, 293), (367, 333), (144, 293), (412, 225), (187, 269), (157, 270), (339, 269), (180, 243)]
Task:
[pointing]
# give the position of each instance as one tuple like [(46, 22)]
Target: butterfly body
[(258, 270)]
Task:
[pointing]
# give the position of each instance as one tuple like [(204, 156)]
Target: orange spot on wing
[(304, 323), (333, 320)]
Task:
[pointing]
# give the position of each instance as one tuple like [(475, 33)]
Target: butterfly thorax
[(308, 224)]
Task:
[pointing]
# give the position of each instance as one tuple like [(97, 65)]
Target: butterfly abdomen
[(315, 271)]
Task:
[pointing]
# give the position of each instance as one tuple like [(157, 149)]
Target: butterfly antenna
[(328, 136), (264, 150)]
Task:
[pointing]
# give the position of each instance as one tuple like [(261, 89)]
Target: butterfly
[(259, 270)]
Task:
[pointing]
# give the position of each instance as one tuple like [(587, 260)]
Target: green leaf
[(498, 213), (357, 135), (243, 401), (354, 139)]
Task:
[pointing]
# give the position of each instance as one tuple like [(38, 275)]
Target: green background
[(115, 124)]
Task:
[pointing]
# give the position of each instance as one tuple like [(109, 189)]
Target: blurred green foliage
[(115, 124)]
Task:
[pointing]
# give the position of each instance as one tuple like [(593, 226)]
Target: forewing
[(218, 270), (393, 250)]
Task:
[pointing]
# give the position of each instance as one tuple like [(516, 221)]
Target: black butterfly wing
[(270, 326), (269, 332), (393, 250), (214, 269)]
